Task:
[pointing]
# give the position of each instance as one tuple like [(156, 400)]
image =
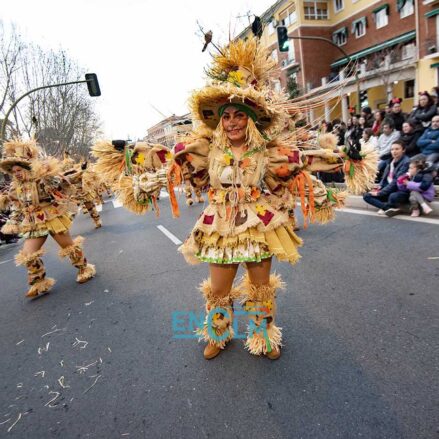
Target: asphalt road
[(101, 360)]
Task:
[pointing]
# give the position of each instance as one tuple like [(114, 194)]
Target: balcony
[(287, 64)]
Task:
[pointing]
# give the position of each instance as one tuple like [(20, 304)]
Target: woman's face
[(362, 120), (18, 172), (423, 101), (377, 116), (235, 124), (406, 128)]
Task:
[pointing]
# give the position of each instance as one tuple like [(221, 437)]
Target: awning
[(360, 20), (432, 13), (389, 43), (380, 8), (435, 65)]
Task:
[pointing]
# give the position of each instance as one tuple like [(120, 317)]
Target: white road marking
[(400, 217), (172, 237), (5, 262), (164, 194), (116, 203), (99, 207)]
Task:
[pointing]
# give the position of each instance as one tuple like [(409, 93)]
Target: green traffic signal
[(283, 39)]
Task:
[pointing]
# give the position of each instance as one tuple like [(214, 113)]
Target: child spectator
[(419, 183)]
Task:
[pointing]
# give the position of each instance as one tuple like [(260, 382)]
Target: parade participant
[(86, 183), (39, 197), (188, 188), (253, 179)]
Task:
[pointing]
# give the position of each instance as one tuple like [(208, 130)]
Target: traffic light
[(92, 84), (283, 39), (257, 27)]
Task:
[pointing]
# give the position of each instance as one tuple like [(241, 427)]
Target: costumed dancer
[(39, 197), (86, 183), (253, 179)]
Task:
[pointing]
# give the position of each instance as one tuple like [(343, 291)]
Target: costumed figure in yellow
[(252, 178), (40, 199), (87, 185)]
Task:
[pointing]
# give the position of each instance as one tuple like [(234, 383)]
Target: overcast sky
[(144, 52)]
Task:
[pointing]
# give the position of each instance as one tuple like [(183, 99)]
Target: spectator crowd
[(408, 148)]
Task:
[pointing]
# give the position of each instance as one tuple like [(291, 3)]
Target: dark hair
[(428, 96), (420, 161), (366, 110), (395, 101), (400, 143), (389, 122), (412, 122)]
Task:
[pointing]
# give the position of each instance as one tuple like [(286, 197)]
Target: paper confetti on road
[(88, 303), (81, 343), (21, 341), (45, 349), (95, 381), (49, 403), (62, 383), (41, 372), (15, 423), (53, 332)]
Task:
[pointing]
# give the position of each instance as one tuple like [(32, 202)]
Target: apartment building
[(394, 42)]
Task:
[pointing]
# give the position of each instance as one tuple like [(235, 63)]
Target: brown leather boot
[(274, 354), (211, 351)]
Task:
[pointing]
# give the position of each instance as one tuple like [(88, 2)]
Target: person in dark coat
[(387, 198), (411, 132), (425, 111), (396, 113), (429, 142), (366, 112)]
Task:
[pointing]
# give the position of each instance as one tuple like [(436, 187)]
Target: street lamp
[(91, 80), (283, 38)]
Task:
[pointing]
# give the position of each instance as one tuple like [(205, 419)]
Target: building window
[(409, 89), (271, 28), (408, 51), (340, 37), (289, 16), (338, 5), (277, 85), (359, 27), (405, 8), (291, 52), (274, 55), (382, 17), (316, 10)]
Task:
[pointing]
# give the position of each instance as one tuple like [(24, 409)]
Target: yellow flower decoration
[(140, 159), (227, 159), (235, 77), (168, 156), (260, 209)]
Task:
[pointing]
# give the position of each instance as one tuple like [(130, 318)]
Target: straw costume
[(41, 204), (250, 214), (87, 186)]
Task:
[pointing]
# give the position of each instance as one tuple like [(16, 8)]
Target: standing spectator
[(396, 113), (429, 142), (388, 198), (378, 120), (339, 132), (419, 183), (355, 134), (425, 111), (366, 112), (411, 132), (385, 141)]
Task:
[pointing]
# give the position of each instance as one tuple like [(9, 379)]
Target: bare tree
[(62, 118)]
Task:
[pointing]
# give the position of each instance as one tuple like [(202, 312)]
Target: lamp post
[(92, 85)]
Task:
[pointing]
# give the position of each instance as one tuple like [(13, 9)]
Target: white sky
[(144, 52)]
